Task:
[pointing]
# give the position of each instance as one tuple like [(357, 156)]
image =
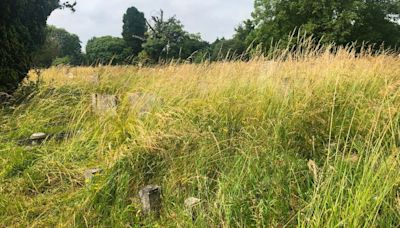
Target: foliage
[(59, 44), (61, 61), (107, 50), (46, 54), (69, 44), (134, 29), (235, 48), (168, 40), (22, 32), (336, 21)]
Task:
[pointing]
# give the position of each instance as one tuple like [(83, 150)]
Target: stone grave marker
[(102, 103), (150, 197)]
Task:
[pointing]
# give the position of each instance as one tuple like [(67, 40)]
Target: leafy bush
[(107, 50)]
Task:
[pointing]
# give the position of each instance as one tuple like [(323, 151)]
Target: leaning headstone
[(90, 173), (150, 197), (102, 103), (38, 138), (143, 102), (192, 204)]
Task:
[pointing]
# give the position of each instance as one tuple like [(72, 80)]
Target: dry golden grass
[(237, 135)]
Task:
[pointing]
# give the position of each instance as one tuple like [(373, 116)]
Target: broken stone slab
[(90, 173), (102, 103), (37, 138), (150, 197), (191, 205), (33, 140)]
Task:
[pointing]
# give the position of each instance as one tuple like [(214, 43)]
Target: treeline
[(26, 42), (273, 24), (143, 41)]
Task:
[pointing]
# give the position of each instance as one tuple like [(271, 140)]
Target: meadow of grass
[(241, 136)]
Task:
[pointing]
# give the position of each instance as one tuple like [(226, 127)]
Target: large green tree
[(236, 47), (69, 44), (107, 50), (134, 29), (59, 44), (336, 21), (45, 55), (22, 32), (167, 39)]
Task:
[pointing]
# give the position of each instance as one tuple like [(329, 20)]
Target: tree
[(237, 46), (244, 31), (22, 32), (194, 49), (69, 44), (134, 29), (230, 49), (168, 40), (45, 56), (59, 44), (107, 50), (336, 21)]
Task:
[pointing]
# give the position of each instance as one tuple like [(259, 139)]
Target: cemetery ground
[(306, 140)]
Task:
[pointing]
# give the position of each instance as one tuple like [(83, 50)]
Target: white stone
[(191, 202), (38, 136), (88, 174)]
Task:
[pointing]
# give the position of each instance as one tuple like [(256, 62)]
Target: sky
[(210, 18)]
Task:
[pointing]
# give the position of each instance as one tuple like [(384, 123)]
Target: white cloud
[(211, 18)]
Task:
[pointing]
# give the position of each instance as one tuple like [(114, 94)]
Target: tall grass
[(237, 135)]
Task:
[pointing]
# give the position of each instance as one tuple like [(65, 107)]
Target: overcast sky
[(211, 18)]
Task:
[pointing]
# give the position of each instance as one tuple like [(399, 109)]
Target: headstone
[(90, 173), (191, 205), (150, 197), (143, 102), (102, 103)]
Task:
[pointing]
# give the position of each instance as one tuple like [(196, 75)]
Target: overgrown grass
[(237, 135)]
